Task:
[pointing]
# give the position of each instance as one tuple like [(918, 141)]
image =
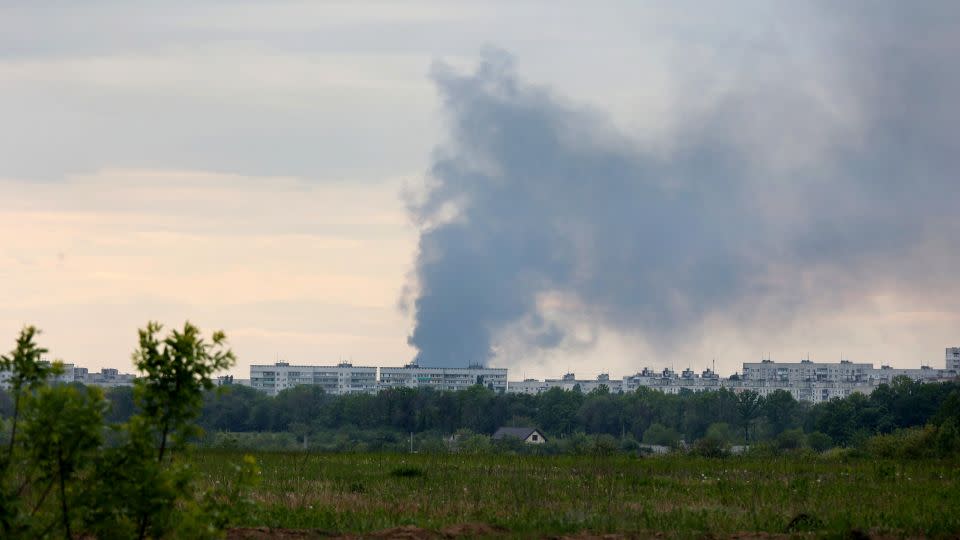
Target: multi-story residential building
[(443, 378), (230, 380), (107, 377), (886, 374), (807, 371), (527, 386), (953, 359), (603, 380), (812, 391), (672, 383), (568, 382), (65, 377), (343, 378), (805, 380)]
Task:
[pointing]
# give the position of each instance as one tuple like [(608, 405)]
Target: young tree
[(27, 372), (176, 370), (748, 406), (63, 434), (57, 475), (781, 412)]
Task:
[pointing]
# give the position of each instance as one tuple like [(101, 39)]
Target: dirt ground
[(406, 532), (482, 530)]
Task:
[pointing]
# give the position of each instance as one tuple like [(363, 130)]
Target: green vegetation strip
[(532, 495)]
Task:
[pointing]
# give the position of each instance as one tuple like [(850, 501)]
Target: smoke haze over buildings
[(821, 172)]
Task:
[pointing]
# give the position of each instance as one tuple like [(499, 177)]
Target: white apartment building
[(886, 374), (670, 382), (614, 386), (341, 379), (812, 391), (805, 380), (568, 382), (107, 377), (953, 359), (807, 371), (527, 386), (443, 378)]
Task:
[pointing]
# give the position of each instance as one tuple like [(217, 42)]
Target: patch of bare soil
[(266, 533), (483, 530), (405, 532)]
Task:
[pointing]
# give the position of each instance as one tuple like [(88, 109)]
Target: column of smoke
[(778, 199)]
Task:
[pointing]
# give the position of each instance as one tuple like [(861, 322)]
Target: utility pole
[(411, 442)]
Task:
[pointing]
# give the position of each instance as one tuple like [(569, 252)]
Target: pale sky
[(248, 166)]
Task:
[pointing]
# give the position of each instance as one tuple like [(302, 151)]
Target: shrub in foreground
[(58, 477)]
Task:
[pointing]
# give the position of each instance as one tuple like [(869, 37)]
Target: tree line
[(647, 415), (384, 420)]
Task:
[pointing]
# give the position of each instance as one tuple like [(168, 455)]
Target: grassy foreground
[(530, 495)]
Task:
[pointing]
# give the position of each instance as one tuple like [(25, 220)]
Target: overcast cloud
[(593, 189)]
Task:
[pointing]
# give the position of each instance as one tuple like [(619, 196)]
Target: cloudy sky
[(541, 185)]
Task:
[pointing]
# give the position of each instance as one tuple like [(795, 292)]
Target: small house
[(526, 434)]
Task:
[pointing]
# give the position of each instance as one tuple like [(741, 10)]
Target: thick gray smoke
[(797, 190)]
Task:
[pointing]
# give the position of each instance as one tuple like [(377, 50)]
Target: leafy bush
[(475, 444), (710, 446), (604, 445), (629, 444), (58, 475), (908, 443), (721, 431), (791, 439), (661, 435), (433, 445), (819, 442)]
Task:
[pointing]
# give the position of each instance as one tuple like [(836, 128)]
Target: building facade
[(568, 382), (338, 380), (107, 377), (443, 378), (805, 380), (807, 371)]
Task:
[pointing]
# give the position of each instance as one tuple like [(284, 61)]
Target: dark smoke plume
[(794, 192)]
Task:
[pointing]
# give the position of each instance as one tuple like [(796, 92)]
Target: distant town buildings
[(106, 377), (345, 378), (804, 380), (953, 359), (443, 378), (341, 379), (568, 382)]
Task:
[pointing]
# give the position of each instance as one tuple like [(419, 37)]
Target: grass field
[(530, 496)]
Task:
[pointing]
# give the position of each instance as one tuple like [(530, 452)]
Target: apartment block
[(953, 359), (568, 382), (341, 379), (443, 378), (805, 380)]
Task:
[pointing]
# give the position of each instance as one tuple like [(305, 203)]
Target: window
[(534, 437)]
